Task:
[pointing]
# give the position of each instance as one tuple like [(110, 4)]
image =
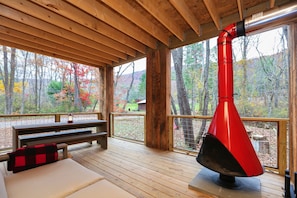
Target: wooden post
[(282, 146), (158, 98), (108, 96), (293, 99)]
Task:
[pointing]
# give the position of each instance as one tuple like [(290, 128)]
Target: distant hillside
[(125, 80)]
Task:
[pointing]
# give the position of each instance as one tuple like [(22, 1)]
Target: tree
[(274, 68), (182, 97), (130, 87), (142, 87), (77, 99), (205, 92), (7, 75), (25, 54)]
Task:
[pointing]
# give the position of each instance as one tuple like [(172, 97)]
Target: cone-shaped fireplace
[(226, 148)]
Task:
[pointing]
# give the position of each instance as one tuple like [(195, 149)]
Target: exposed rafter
[(187, 14), (212, 9), (152, 7), (137, 18), (240, 9)]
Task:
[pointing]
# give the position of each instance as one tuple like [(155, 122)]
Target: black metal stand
[(290, 190)]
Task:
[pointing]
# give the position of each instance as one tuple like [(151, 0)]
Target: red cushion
[(32, 156)]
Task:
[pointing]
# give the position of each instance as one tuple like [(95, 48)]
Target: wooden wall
[(158, 98)]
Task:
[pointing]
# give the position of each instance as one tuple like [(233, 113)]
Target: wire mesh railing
[(268, 137), (130, 126)]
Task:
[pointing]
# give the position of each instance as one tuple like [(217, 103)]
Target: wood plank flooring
[(148, 173)]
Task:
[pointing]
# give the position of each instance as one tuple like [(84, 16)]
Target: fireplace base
[(208, 181)]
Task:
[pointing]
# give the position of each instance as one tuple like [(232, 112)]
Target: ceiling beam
[(186, 13), (52, 45), (119, 22), (213, 11), (125, 9), (53, 18), (63, 42), (75, 14), (152, 7), (42, 25), (7, 42)]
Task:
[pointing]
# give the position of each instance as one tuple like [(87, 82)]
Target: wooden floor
[(147, 172)]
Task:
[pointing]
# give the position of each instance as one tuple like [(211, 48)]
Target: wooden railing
[(280, 145), (7, 121)]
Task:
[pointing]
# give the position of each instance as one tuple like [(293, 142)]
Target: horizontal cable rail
[(268, 137), (130, 126), (8, 121)]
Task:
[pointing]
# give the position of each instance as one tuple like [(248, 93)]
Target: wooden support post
[(293, 99), (158, 98), (108, 96)]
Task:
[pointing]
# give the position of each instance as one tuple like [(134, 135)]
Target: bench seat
[(100, 137), (24, 139)]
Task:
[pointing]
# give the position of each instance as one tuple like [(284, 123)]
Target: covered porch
[(76, 31)]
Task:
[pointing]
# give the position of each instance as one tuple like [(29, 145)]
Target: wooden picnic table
[(101, 126)]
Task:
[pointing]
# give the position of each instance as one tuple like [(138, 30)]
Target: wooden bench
[(100, 137), (24, 139)]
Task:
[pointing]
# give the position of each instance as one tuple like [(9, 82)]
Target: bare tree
[(25, 54), (131, 84), (8, 77), (205, 93), (77, 100), (182, 97)]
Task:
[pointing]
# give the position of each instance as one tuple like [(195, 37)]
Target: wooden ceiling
[(112, 32)]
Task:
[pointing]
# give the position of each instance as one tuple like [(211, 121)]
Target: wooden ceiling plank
[(187, 14), (38, 48), (75, 14), (57, 20), (152, 7), (211, 7), (108, 16), (50, 44), (11, 24), (240, 9), (125, 9), (39, 24)]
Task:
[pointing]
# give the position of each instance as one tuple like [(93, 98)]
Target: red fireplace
[(227, 148)]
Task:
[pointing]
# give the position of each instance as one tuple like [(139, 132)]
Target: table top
[(47, 127)]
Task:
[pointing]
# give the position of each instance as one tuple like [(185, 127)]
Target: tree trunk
[(183, 100), (205, 91), (36, 83), (23, 82), (174, 112), (8, 78), (77, 100)]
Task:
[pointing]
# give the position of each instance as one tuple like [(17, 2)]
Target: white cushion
[(57, 179), (102, 188), (3, 193)]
